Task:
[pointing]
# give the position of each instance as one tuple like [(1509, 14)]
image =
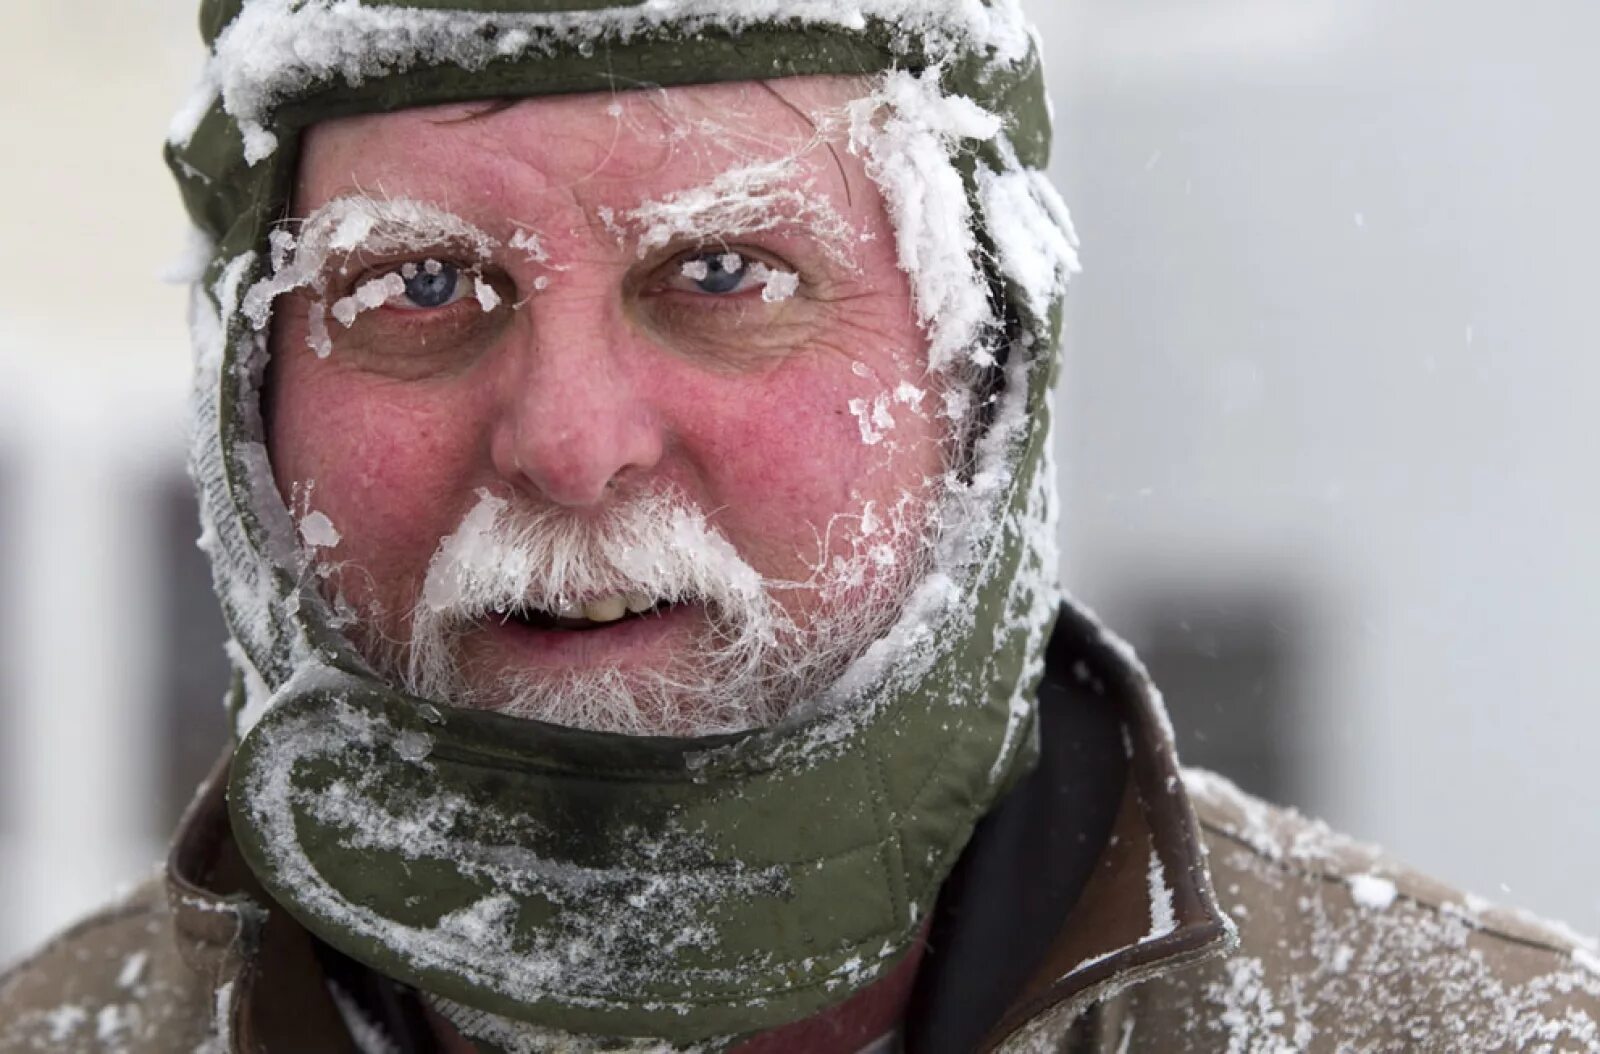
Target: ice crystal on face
[(529, 244), (873, 418)]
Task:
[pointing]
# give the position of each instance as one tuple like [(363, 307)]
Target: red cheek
[(386, 463), (786, 449)]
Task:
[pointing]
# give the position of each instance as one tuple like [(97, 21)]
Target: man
[(623, 444)]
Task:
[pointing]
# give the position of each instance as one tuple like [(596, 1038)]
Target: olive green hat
[(536, 880)]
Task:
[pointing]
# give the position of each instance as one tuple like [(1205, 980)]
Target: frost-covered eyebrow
[(745, 200), (355, 223)]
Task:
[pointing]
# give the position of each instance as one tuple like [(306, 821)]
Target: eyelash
[(660, 284), (751, 258)]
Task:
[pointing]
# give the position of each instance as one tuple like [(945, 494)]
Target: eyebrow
[(743, 200)]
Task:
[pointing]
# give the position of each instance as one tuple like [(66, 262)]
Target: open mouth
[(603, 613)]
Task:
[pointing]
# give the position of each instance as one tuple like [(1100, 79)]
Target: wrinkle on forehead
[(598, 149)]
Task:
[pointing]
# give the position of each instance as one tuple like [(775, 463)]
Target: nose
[(575, 420)]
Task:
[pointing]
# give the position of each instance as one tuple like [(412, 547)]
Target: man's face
[(676, 356)]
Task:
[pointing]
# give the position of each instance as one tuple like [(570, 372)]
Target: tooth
[(566, 610), (638, 603), (606, 609)]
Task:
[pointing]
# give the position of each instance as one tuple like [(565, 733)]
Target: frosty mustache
[(655, 548), (651, 551)]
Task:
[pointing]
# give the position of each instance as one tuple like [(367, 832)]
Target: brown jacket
[(1203, 920)]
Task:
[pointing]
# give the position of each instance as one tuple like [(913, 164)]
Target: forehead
[(612, 148)]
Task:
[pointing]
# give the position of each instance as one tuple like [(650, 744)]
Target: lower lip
[(641, 641)]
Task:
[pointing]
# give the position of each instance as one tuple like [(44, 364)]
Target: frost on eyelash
[(777, 285), (488, 299), (370, 294), (344, 226)]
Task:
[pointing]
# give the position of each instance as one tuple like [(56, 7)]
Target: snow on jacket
[(1111, 903)]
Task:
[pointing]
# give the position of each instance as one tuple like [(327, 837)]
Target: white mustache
[(505, 559), (749, 665), (657, 545)]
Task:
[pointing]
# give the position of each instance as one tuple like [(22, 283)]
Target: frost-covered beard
[(749, 666)]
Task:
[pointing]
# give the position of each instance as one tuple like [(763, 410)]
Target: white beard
[(750, 667)]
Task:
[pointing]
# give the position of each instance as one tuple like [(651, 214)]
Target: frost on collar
[(277, 49)]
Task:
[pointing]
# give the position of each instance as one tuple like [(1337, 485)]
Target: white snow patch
[(114, 1022), (276, 49), (190, 265), (257, 695), (133, 968), (1032, 231), (367, 1034), (64, 1020), (1163, 920), (1373, 892), (908, 131)]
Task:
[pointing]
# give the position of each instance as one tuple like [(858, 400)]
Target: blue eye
[(717, 273), (432, 284)]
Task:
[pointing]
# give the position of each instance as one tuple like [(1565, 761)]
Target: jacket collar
[(1148, 907), (1143, 904)]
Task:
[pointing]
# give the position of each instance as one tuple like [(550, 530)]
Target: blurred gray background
[(1327, 429)]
